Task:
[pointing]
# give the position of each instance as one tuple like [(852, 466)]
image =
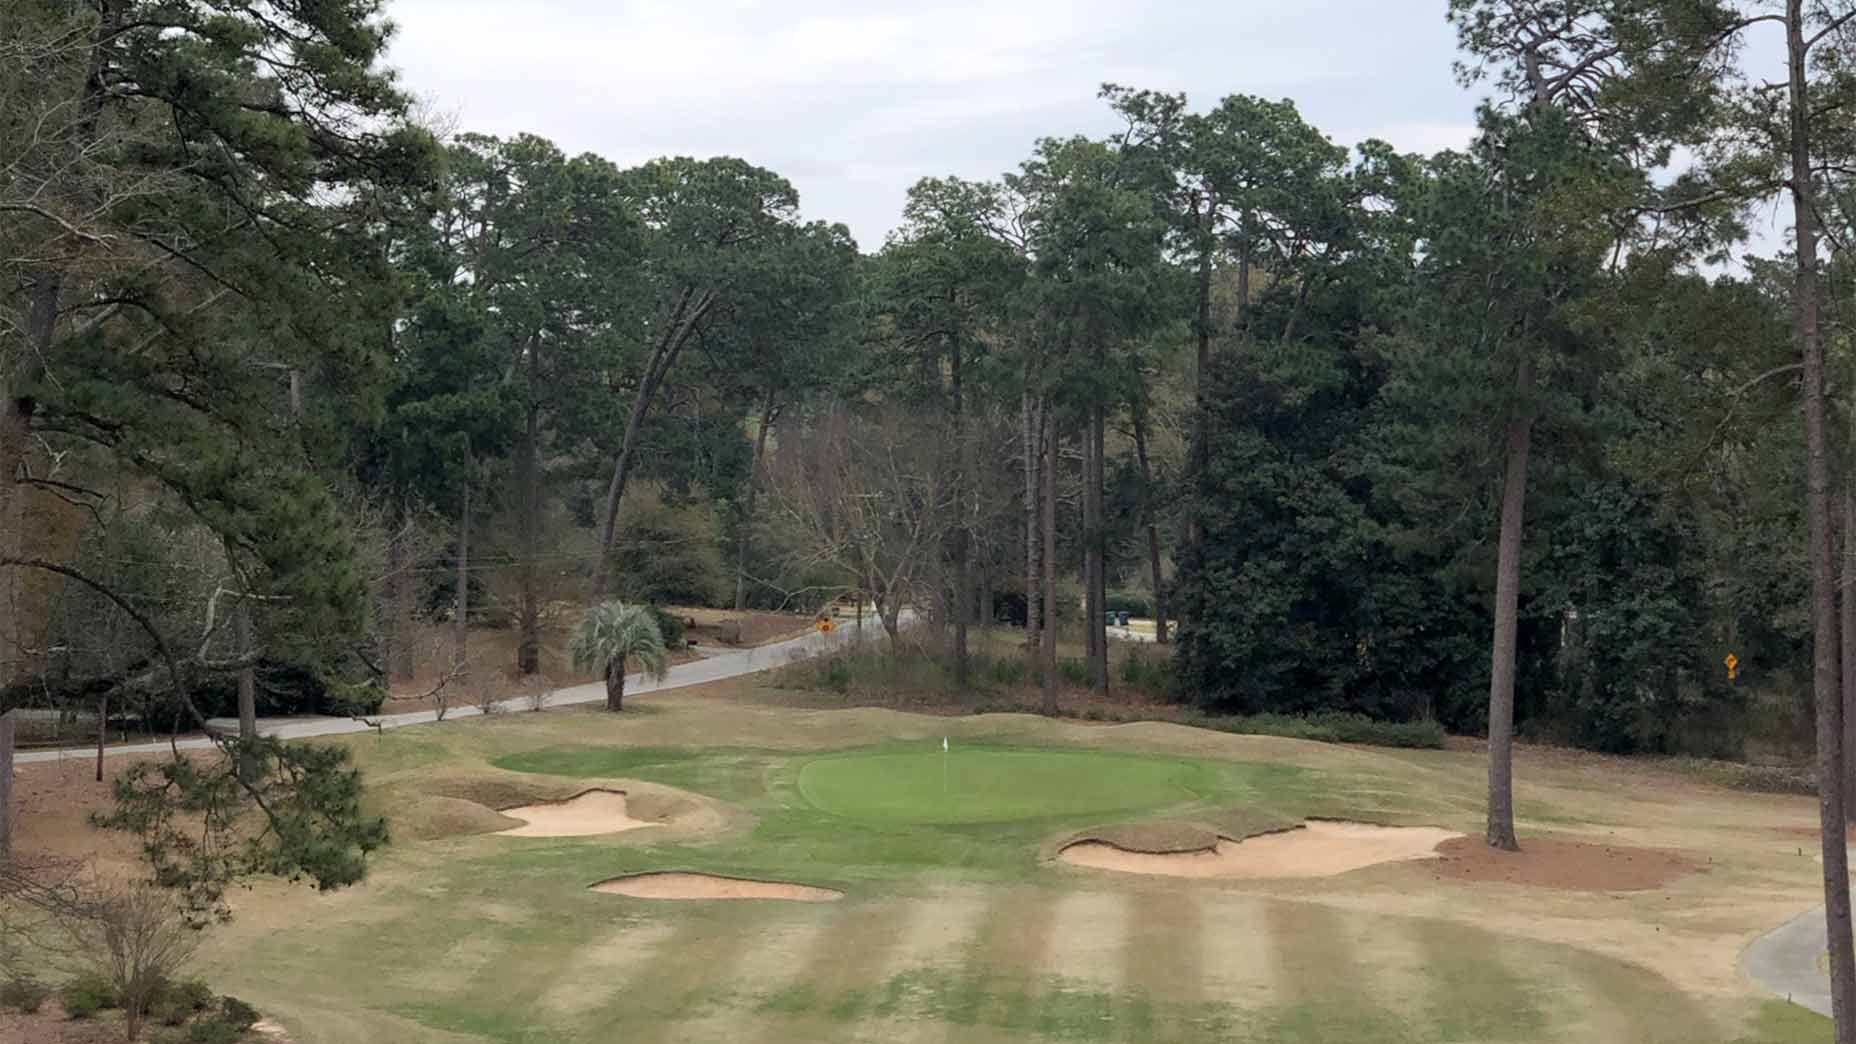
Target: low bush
[(215, 1030), (1130, 602), (1331, 727), (88, 994), (237, 1013), (1007, 671), (1153, 675), (1073, 672), (23, 993), (177, 1001), (670, 626)]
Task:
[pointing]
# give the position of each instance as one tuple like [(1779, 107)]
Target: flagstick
[(944, 770)]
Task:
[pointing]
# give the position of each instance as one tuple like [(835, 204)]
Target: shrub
[(670, 626), (1129, 602), (237, 1013), (135, 938), (1008, 671), (1073, 672), (1149, 674), (169, 1011), (216, 1030), (1332, 727), (168, 1036), (88, 994), (175, 1002), (23, 993)]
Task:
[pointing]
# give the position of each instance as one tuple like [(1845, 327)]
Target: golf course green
[(995, 785)]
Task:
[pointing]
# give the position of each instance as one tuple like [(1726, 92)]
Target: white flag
[(944, 744)]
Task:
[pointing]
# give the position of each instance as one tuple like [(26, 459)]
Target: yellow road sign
[(1732, 662)]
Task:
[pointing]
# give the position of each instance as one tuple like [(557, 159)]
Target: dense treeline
[(299, 386)]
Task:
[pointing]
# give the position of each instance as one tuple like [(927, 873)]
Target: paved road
[(1784, 961), (730, 664)]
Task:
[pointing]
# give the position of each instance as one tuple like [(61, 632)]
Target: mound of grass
[(427, 817), (1782, 1022), (1158, 836), (1166, 836), (992, 784)]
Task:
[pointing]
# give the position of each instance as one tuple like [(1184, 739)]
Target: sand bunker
[(1319, 848), (583, 815), (683, 885)]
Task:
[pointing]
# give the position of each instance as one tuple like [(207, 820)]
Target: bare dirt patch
[(1571, 865), (677, 884), (583, 815), (1319, 848)]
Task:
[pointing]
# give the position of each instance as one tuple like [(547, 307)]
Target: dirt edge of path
[(687, 884)]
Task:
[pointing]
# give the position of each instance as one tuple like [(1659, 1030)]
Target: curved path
[(730, 664), (1784, 961)]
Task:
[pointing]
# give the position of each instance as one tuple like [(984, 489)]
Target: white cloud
[(855, 100)]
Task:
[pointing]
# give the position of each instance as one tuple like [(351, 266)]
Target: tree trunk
[(1153, 526), (1031, 426), (1507, 604), (103, 731), (1825, 661), (528, 476), (8, 738), (963, 532), (1847, 646), (682, 323), (615, 686), (747, 505), (247, 677), (1098, 549), (390, 637), (461, 625), (1202, 333), (1090, 609), (18, 404), (1049, 558)]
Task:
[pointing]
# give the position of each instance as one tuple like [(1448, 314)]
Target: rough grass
[(1781, 1022)]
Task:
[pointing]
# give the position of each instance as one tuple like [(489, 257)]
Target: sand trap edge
[(1091, 840), (568, 800), (696, 885), (628, 824)]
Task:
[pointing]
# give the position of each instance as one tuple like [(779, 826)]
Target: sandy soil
[(680, 885), (583, 815), (1320, 848), (1574, 865)]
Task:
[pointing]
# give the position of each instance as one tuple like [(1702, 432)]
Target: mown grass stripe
[(1472, 994)]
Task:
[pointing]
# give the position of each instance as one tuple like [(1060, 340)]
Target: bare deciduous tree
[(870, 495)]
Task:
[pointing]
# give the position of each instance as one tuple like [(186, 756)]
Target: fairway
[(988, 785)]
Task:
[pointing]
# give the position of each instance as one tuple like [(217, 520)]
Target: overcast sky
[(854, 101)]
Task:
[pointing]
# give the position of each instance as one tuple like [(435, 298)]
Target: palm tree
[(609, 637)]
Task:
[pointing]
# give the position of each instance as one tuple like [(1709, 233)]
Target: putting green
[(994, 785)]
